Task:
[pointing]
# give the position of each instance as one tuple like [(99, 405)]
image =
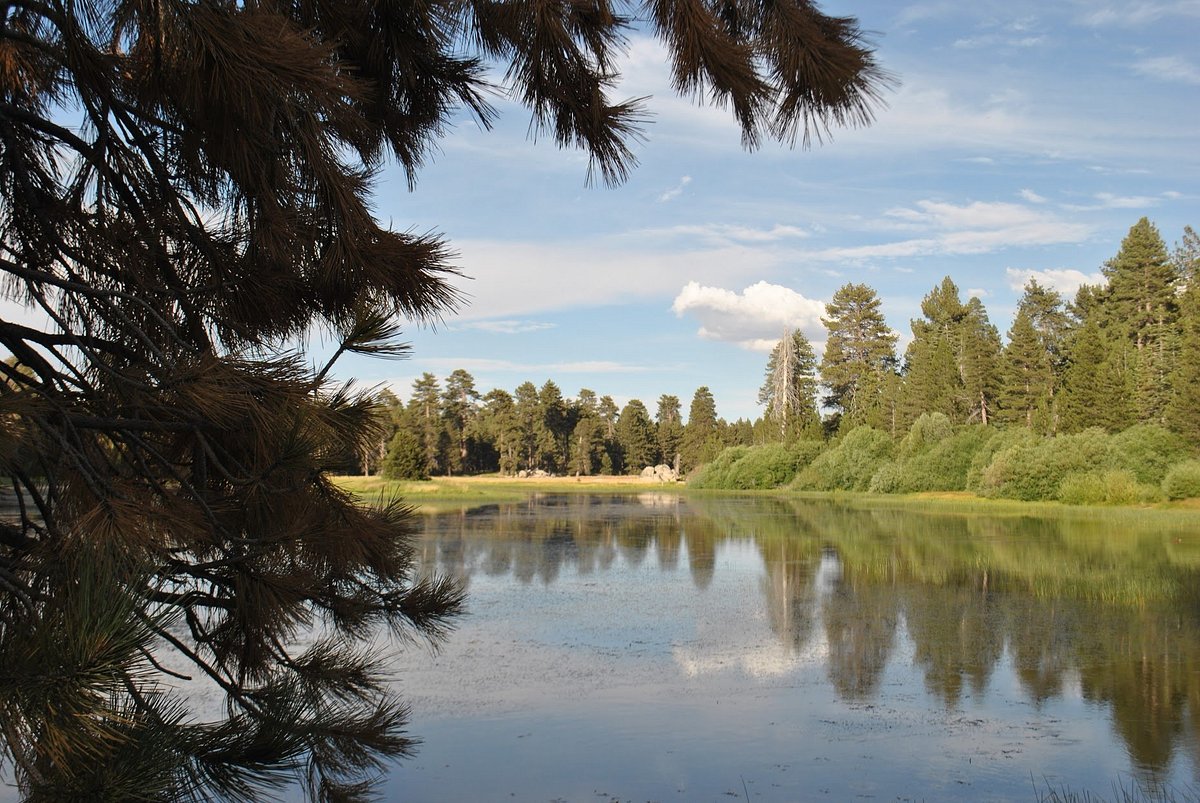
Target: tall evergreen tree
[(554, 428), (609, 413), (789, 389), (1183, 405), (933, 381), (425, 417), (587, 435), (1027, 376), (185, 187), (635, 434), (859, 358), (668, 429), (979, 362), (1186, 257), (1045, 309), (1094, 392), (1141, 302), (501, 424), (459, 411), (701, 434)]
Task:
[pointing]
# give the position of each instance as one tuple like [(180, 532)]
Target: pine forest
[(1096, 395)]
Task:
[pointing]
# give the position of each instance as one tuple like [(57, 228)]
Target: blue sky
[(1025, 139)]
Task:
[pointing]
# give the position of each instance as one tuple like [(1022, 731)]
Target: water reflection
[(1074, 607)]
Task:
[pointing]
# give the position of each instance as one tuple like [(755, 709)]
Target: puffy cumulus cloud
[(753, 318), (1065, 280), (974, 228)]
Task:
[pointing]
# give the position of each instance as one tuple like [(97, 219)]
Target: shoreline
[(436, 493)]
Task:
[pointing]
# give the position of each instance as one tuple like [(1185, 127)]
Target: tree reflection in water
[(1076, 606)]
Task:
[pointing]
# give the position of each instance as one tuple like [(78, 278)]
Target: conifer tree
[(587, 435), (609, 413), (185, 190), (1141, 302), (528, 413), (554, 428), (789, 389), (424, 416), (1183, 405), (979, 362), (668, 423), (932, 378), (459, 412), (859, 364), (500, 422), (1094, 392), (701, 434), (635, 434), (1027, 376)]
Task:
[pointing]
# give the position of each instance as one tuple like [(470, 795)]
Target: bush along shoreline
[(1143, 464)]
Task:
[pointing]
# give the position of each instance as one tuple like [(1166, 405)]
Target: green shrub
[(1182, 480), (999, 440), (849, 464), (405, 459), (755, 467), (888, 478), (1147, 450), (714, 474), (1035, 470), (928, 430), (771, 466), (1112, 487), (945, 465)]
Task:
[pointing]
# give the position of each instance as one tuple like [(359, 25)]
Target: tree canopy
[(185, 194)]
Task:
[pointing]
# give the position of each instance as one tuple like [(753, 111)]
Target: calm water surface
[(657, 648)]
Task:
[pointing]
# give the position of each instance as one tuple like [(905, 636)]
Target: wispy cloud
[(518, 280), (1108, 200), (974, 228), (1175, 69), (675, 191), (1032, 197), (998, 40), (754, 318), (725, 233), (1135, 13), (1065, 280), (506, 327)]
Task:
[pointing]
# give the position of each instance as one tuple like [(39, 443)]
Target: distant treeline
[(1123, 353)]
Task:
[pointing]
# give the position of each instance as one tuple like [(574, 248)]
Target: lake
[(659, 647)]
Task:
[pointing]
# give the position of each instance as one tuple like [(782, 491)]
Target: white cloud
[(1136, 13), (754, 318), (727, 234), (977, 292), (1032, 197), (997, 40), (675, 191), (1107, 200), (973, 228), (1169, 68), (506, 327), (1065, 280), (521, 279)]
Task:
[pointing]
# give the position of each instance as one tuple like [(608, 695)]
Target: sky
[(1023, 140)]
